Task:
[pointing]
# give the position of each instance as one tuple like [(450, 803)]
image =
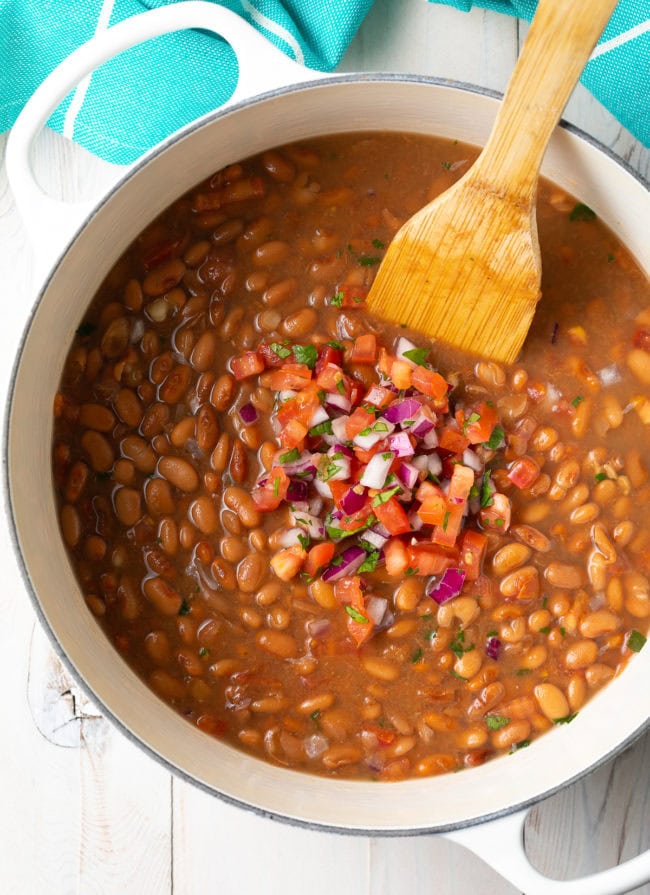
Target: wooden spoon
[(466, 269)]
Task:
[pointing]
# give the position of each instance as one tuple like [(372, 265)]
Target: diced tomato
[(391, 514), (300, 408), (328, 355), (288, 562), (348, 592), (351, 296), (270, 357), (212, 725), (452, 440), (429, 382), (396, 557), (293, 434), (401, 373), (427, 489), (478, 424), (358, 420), (383, 734), (384, 361), (379, 396), (270, 495), (247, 364), (432, 509), (446, 533), (339, 490), (290, 376), (318, 557), (329, 378), (523, 472), (364, 350), (354, 520), (365, 457), (425, 559), (462, 479), (473, 545)]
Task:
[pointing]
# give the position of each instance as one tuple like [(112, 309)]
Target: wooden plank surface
[(84, 811)]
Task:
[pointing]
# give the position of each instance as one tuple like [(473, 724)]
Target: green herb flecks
[(370, 562), (566, 720), (416, 355), (495, 439), (280, 349), (581, 212), (496, 722), (290, 456), (185, 608), (636, 641), (355, 615), (417, 656), (306, 354)]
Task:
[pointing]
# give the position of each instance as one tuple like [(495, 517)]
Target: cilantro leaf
[(581, 212), (636, 641), (281, 350), (306, 354), (496, 722), (495, 439), (356, 615), (416, 355)]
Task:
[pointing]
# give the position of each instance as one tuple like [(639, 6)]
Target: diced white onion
[(470, 459), (435, 464), (374, 475), (405, 345), (319, 416)]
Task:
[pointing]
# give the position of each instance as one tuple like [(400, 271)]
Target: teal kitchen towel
[(137, 99), (618, 73)]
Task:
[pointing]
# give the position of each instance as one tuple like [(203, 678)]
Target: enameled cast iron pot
[(302, 104)]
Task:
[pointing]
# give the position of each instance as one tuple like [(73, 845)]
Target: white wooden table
[(82, 810)]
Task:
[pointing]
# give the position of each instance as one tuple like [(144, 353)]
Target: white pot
[(610, 722)]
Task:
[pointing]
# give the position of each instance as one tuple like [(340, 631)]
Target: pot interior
[(336, 105)]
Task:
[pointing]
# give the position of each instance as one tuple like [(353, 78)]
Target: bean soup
[(323, 539)]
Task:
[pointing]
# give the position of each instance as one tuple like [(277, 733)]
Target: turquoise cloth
[(137, 99), (619, 72)]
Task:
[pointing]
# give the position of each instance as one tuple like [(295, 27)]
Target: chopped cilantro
[(458, 647), (369, 261), (337, 561), (417, 655), (577, 400), (385, 496), (455, 674), (563, 632), (582, 212), (315, 715), (355, 615), (410, 572), (204, 651), (446, 165), (600, 476), (566, 720), (370, 562), (520, 672), (495, 439), (290, 456), (545, 630), (276, 486), (430, 634), (416, 355), (445, 521), (102, 476), (336, 345), (610, 257), (378, 244), (496, 722), (636, 641), (322, 395), (486, 491), (324, 428), (340, 387), (306, 354), (185, 608), (492, 633), (516, 746), (337, 300), (279, 349), (303, 540)]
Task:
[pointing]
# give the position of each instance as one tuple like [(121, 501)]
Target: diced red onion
[(348, 563), (448, 587), (400, 444), (408, 474), (338, 429), (470, 459), (430, 440), (373, 538), (297, 490), (248, 413), (315, 745), (493, 647), (318, 627), (365, 442), (323, 488), (353, 499), (311, 524), (338, 448), (320, 415), (338, 402), (434, 464), (402, 410), (376, 609), (374, 475), (424, 421), (290, 537), (405, 345)]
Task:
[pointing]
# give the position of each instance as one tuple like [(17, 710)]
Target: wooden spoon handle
[(562, 35)]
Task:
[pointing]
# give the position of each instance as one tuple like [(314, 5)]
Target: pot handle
[(262, 67), (500, 843)]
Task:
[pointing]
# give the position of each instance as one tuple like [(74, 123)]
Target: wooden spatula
[(466, 269)]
